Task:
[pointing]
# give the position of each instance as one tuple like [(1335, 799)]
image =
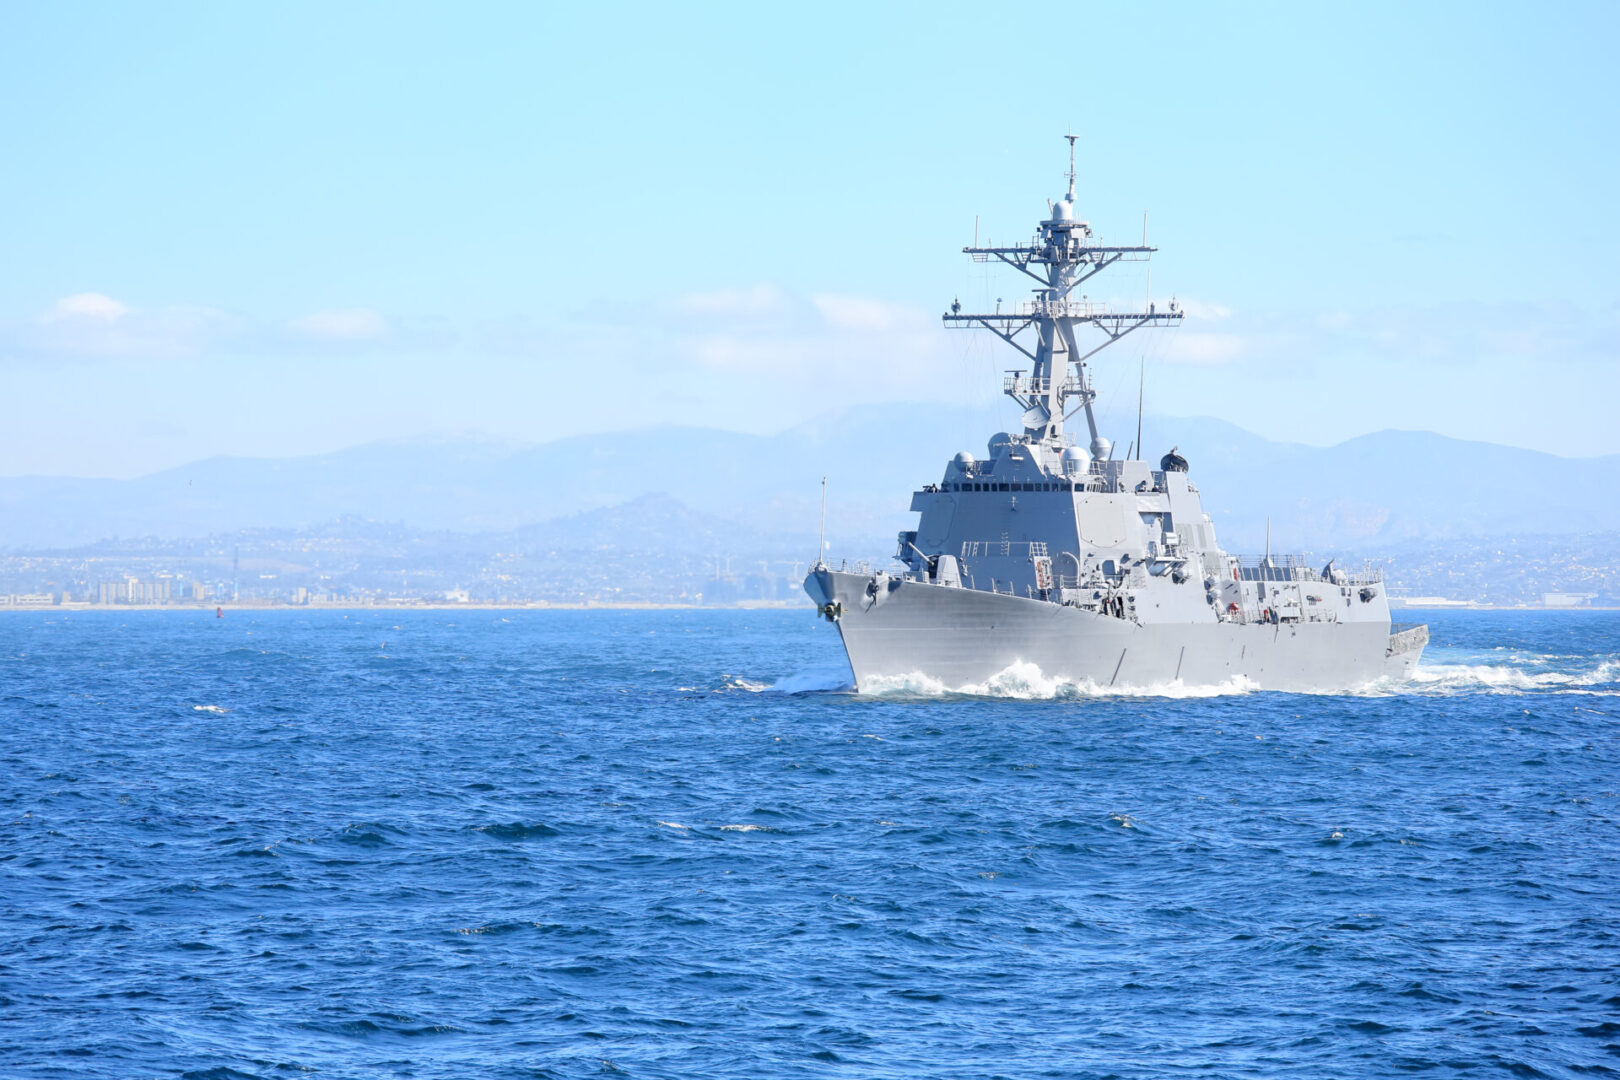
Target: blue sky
[(281, 229)]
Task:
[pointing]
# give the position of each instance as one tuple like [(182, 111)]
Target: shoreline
[(626, 605), (760, 605)]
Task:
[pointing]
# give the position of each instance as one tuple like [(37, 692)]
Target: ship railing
[(1295, 568), (976, 549), (1018, 384), (1403, 627), (1055, 309), (1275, 568)]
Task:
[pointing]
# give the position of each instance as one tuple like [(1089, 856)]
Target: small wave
[(1498, 679), (743, 828), (1023, 680), (517, 830), (218, 709), (812, 681), (672, 825)]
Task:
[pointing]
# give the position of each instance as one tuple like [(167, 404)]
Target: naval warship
[(1100, 571)]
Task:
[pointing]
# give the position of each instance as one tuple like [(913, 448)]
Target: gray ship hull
[(893, 628)]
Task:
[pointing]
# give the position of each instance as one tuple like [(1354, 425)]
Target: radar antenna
[(1062, 255), (1072, 138)]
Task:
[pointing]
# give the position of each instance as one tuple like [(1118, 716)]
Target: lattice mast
[(1061, 257)]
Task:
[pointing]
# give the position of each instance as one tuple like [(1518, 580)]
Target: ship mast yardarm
[(1061, 257)]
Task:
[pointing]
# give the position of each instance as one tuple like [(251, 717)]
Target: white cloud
[(1195, 347), (786, 340), (761, 299), (857, 313), (86, 305), (761, 353), (92, 325), (349, 324)]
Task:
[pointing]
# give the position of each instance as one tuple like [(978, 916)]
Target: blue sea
[(667, 844)]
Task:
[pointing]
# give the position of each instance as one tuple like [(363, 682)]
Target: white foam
[(1025, 681), (913, 684), (210, 708), (746, 828), (811, 681), (1504, 679)]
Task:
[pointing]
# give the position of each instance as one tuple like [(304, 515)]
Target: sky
[(283, 229)]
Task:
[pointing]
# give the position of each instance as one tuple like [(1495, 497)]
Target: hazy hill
[(1377, 490)]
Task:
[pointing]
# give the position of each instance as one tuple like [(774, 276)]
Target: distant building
[(1567, 599), (1432, 602), (133, 591)]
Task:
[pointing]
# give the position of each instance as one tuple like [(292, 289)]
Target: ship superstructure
[(1097, 569)]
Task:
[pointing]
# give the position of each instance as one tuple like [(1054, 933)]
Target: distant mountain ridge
[(1381, 489)]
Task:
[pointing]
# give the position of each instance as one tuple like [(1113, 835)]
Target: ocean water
[(664, 844)]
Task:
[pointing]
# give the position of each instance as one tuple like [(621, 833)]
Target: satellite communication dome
[(1075, 461), (1063, 210), (964, 461), (1000, 442)]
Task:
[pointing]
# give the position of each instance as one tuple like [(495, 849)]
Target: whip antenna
[(1141, 384), (821, 549)]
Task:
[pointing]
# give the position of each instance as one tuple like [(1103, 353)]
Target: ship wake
[(1464, 678), (1024, 681), (828, 680)]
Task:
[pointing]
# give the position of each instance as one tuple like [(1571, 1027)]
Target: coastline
[(627, 605), (607, 605)]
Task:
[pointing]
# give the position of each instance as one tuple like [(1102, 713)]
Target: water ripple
[(558, 844)]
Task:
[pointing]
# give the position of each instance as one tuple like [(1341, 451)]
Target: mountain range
[(1378, 491)]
